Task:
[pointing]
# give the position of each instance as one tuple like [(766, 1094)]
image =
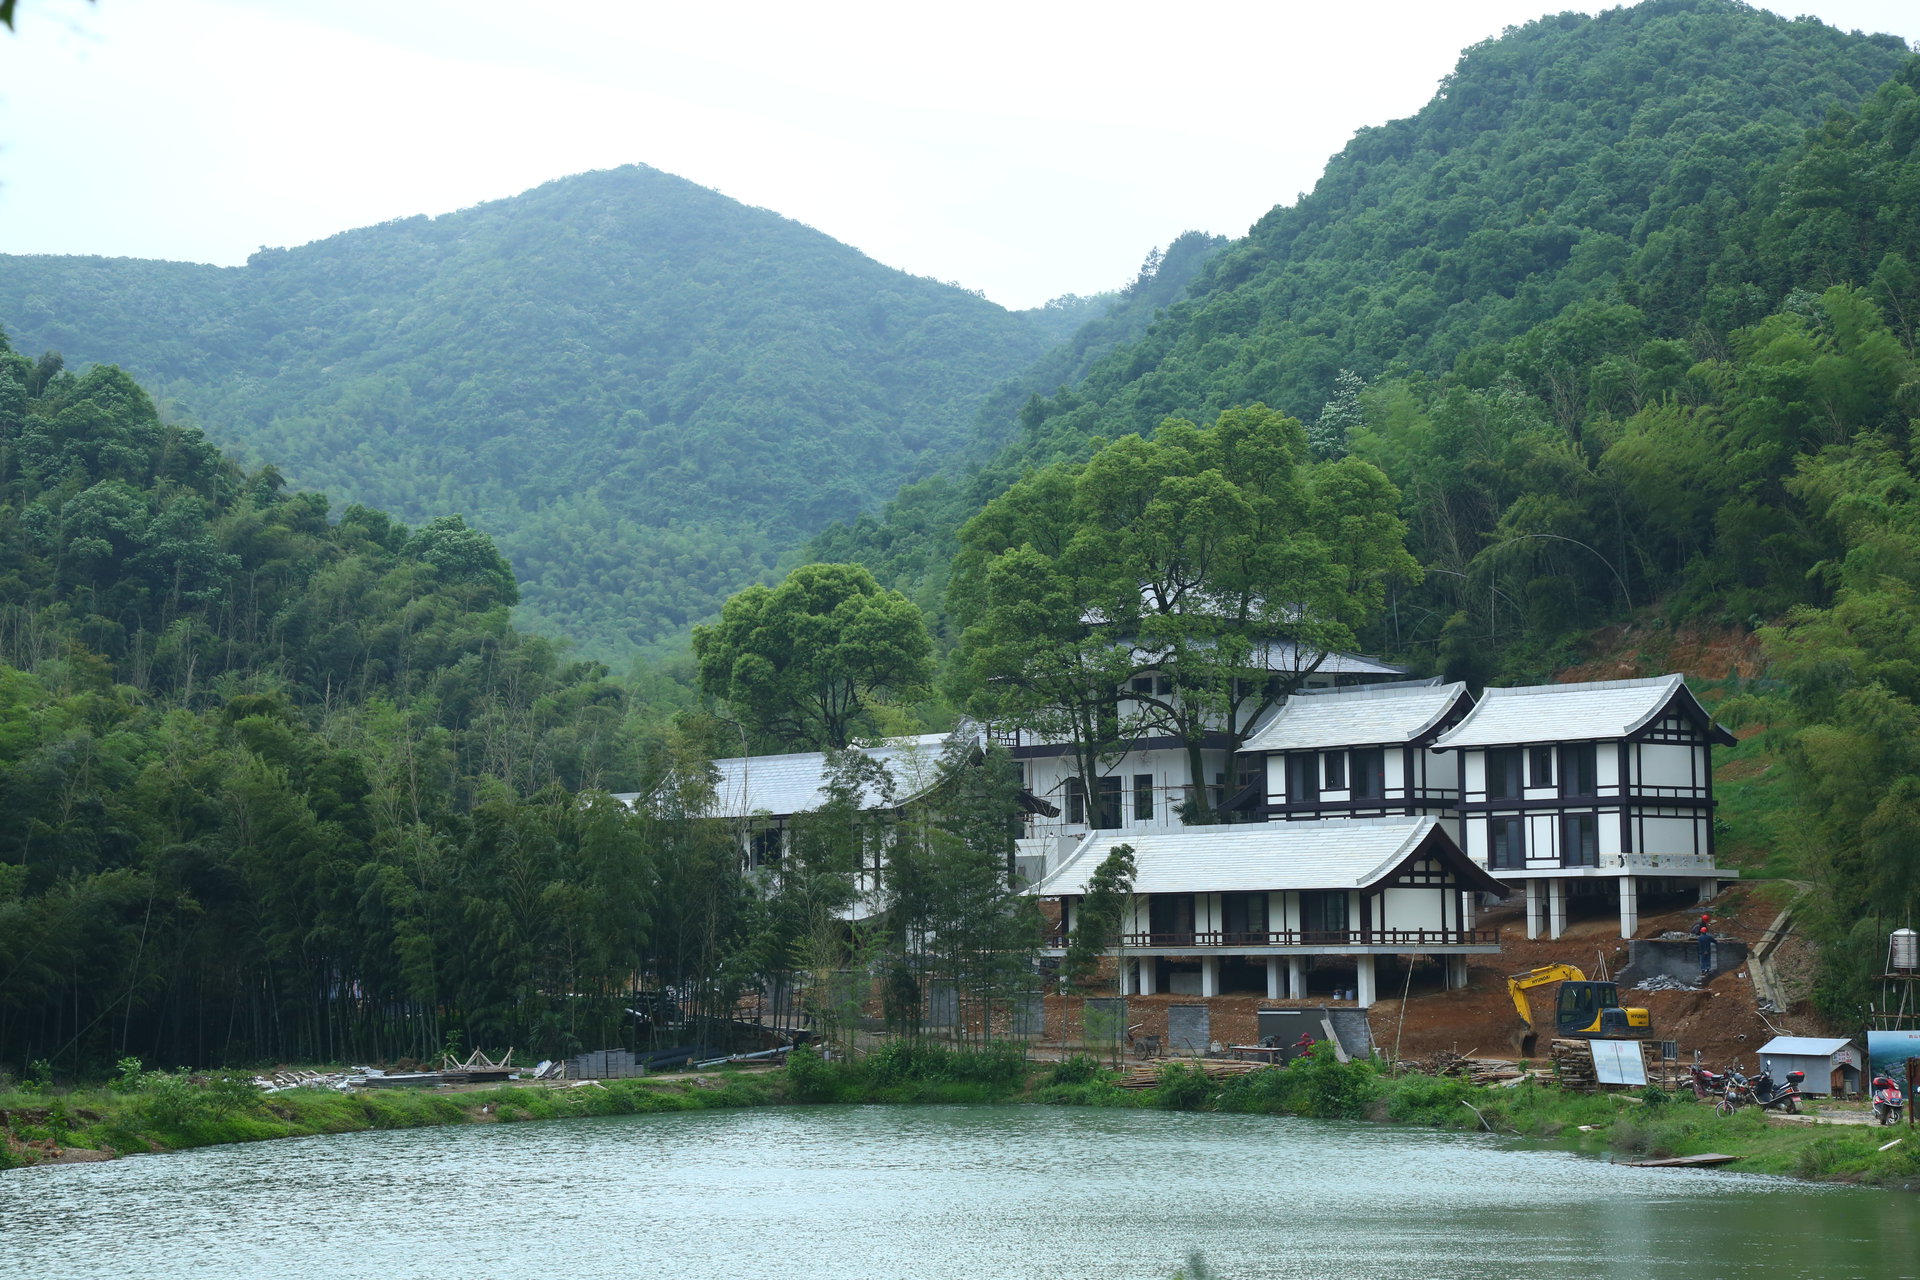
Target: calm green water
[(927, 1194)]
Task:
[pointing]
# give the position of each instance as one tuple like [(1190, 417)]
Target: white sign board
[(1890, 1051), (1618, 1062)]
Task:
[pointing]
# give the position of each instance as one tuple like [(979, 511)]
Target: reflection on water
[(926, 1194)]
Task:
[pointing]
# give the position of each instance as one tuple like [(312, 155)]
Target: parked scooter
[(1778, 1097), (1887, 1101)]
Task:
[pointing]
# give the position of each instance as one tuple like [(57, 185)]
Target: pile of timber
[(1573, 1065), (1473, 1070), (1146, 1075)]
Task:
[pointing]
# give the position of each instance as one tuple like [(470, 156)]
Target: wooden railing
[(1410, 939)]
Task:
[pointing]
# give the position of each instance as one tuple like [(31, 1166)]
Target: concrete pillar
[(1707, 889), (1456, 973), (1363, 990), (1276, 979), (1149, 971), (1629, 905), (1126, 977), (1533, 910), (1209, 975), (1556, 907), (1297, 977)]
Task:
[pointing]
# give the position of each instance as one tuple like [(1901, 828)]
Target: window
[(1323, 911), (1335, 765), (1162, 685), (1142, 797), (764, 848), (1303, 779), (1506, 844), (1143, 684), (1539, 766), (1503, 773), (1369, 774), (1076, 800), (1106, 815), (1579, 770), (1243, 917), (1580, 840)]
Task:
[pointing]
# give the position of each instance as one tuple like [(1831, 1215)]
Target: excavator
[(1586, 1010)]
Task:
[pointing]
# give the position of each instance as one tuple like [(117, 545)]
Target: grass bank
[(1650, 1124), (159, 1111)]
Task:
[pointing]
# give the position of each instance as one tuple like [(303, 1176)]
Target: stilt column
[(1209, 975), (1629, 905), (1364, 975), (1533, 910), (1556, 907), (1276, 979), (1149, 971), (1297, 977), (1456, 972)]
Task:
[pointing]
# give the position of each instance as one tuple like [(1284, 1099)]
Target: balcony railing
[(1410, 939)]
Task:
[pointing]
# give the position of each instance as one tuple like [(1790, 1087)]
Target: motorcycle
[(1778, 1097), (1887, 1101), (1739, 1093), (1707, 1083)]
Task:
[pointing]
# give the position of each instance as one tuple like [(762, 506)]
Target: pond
[(929, 1193)]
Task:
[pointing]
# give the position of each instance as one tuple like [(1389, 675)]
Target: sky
[(1026, 150)]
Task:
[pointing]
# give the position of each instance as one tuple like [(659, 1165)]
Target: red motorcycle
[(1887, 1101), (1707, 1083)]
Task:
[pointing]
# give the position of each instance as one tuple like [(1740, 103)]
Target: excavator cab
[(1592, 1010)]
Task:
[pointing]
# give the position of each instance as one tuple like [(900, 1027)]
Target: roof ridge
[(1384, 689), (1575, 686)]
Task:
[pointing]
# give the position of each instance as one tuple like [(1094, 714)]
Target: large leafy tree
[(804, 664), (1219, 557)]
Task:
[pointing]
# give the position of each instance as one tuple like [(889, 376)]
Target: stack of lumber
[(1573, 1065), (1147, 1075), (1474, 1070)]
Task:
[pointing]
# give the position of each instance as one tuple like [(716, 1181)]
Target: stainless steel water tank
[(1903, 951)]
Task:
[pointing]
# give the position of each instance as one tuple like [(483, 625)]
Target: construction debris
[(1664, 982)]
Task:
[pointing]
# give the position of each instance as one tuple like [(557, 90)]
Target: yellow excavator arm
[(1518, 983)]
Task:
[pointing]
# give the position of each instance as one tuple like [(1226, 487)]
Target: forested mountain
[(1573, 160), (645, 391)]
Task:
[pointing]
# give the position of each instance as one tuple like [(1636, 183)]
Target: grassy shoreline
[(159, 1112)]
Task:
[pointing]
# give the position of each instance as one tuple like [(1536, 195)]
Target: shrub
[(1079, 1069), (1183, 1087)]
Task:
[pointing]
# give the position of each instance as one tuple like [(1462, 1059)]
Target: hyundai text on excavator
[(1585, 1011)]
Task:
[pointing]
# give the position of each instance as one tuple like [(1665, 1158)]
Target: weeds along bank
[(158, 1111)]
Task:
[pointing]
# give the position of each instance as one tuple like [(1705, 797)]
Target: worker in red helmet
[(1704, 932)]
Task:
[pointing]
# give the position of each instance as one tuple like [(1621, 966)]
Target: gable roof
[(1805, 1046), (789, 784), (1598, 709), (1334, 854), (1370, 715)]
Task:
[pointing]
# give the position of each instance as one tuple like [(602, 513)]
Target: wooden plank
[(1683, 1162)]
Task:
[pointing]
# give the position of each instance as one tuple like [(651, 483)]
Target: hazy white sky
[(1025, 149)]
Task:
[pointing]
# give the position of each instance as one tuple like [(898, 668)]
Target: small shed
[(1832, 1066)]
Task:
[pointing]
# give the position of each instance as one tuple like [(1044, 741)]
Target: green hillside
[(1572, 160), (645, 391)]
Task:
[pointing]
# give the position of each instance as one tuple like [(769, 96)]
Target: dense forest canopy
[(1574, 160), (646, 392)]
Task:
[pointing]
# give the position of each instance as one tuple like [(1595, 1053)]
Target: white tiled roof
[(782, 785), (1371, 715), (1266, 855), (1563, 712)]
